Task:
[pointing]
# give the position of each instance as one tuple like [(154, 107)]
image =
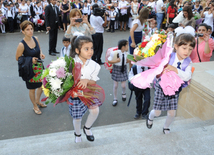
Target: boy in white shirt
[(112, 15), (10, 14), (66, 48)]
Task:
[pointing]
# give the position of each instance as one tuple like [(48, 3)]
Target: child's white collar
[(77, 59)]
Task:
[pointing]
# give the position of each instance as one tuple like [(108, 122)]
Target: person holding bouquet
[(138, 25), (82, 51), (30, 49), (119, 71), (180, 63)]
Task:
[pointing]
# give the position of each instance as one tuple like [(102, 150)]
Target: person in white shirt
[(112, 15), (119, 71), (66, 48), (98, 24), (23, 9), (10, 17), (82, 51), (86, 9), (160, 13), (2, 15), (39, 22), (123, 6)]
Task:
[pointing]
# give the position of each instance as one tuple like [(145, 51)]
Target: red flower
[(31, 80), (35, 68), (40, 68), (36, 75), (143, 44)]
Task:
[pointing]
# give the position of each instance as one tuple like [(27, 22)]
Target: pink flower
[(44, 82), (60, 73), (48, 65)]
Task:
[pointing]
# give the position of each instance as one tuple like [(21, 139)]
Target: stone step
[(107, 137)]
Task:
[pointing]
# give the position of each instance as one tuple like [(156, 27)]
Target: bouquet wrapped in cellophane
[(148, 48), (59, 84)]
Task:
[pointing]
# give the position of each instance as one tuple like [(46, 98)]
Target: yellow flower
[(145, 56), (46, 91)]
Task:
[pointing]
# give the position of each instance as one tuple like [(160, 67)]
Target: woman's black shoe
[(89, 138)]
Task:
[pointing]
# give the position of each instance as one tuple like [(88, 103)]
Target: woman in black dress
[(65, 8), (29, 47)]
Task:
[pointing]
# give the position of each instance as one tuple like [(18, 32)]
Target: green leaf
[(45, 73), (131, 57), (67, 84), (138, 58)]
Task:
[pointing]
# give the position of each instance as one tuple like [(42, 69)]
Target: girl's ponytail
[(72, 51)]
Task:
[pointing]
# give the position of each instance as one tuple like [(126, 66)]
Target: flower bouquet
[(59, 84), (148, 48)]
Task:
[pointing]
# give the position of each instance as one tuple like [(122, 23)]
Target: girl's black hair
[(184, 39), (122, 43), (209, 27), (205, 25), (77, 42), (171, 3)]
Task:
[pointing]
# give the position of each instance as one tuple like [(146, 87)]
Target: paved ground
[(17, 118)]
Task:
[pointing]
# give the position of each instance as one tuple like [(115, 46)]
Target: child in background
[(153, 27), (116, 23), (82, 51), (181, 64), (112, 15), (119, 71), (10, 17), (170, 28), (38, 11), (108, 14), (209, 30), (140, 93), (66, 48), (86, 9)]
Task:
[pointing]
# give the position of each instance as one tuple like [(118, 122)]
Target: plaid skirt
[(117, 75), (163, 102), (78, 109)]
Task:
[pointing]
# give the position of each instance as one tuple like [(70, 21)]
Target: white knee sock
[(115, 90), (169, 119), (77, 129), (153, 114), (123, 84), (93, 113)]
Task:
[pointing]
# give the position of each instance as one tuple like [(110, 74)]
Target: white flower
[(55, 83), (60, 62), (52, 72)]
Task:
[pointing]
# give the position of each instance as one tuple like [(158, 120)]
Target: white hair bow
[(187, 29)]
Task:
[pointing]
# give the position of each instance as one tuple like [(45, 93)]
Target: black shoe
[(52, 54), (114, 103), (112, 31), (100, 63), (166, 129), (124, 97), (108, 31), (147, 124), (89, 138), (137, 116), (56, 52)]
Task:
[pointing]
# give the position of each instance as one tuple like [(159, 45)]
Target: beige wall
[(197, 100)]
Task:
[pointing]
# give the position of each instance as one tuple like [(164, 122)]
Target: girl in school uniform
[(82, 51), (180, 63), (119, 71)]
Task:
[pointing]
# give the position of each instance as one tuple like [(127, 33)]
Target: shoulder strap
[(185, 64), (35, 41), (134, 69), (172, 58)]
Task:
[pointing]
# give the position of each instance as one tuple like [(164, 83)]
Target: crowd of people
[(84, 24), (120, 13)]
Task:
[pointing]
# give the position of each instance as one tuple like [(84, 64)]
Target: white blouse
[(23, 8), (90, 70), (140, 26)]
